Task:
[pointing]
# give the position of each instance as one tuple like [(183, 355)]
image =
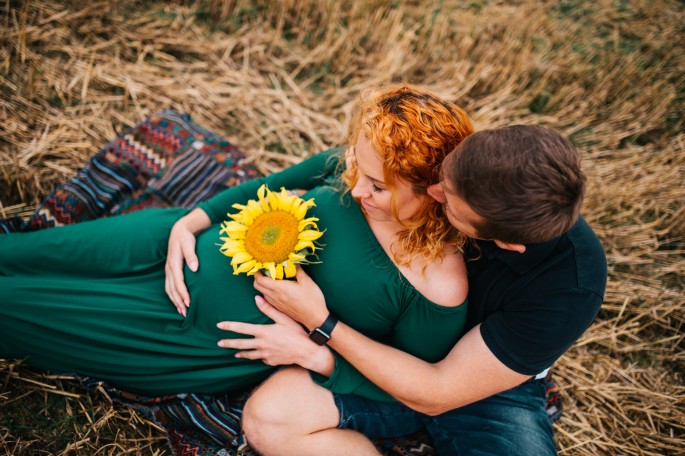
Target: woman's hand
[(284, 342), (182, 248), (301, 299)]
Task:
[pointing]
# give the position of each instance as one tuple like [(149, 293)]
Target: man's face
[(460, 214)]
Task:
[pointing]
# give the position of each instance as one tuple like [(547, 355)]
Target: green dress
[(89, 298)]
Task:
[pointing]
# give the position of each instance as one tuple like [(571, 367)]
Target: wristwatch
[(322, 334)]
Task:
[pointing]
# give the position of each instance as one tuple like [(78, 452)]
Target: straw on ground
[(280, 79)]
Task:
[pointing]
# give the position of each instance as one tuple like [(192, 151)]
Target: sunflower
[(270, 235)]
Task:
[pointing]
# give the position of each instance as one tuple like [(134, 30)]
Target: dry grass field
[(279, 79)]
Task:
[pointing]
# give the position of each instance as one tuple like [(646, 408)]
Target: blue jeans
[(513, 422)]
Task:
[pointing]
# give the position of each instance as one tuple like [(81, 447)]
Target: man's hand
[(182, 248), (301, 299), (284, 342)]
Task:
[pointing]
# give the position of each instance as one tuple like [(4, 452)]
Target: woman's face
[(371, 191)]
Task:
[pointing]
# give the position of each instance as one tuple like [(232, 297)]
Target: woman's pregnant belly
[(215, 293)]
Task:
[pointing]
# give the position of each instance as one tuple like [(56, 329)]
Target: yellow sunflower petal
[(276, 199), (263, 195), (271, 268), (244, 267), (238, 217), (304, 245), (229, 227), (254, 208), (234, 234), (310, 235), (289, 269), (287, 200), (272, 199), (244, 217), (256, 268), (261, 192), (308, 223), (295, 205), (241, 257), (230, 251), (238, 235), (295, 257), (301, 211), (279, 272), (230, 243)]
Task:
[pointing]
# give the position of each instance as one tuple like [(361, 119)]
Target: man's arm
[(469, 373)]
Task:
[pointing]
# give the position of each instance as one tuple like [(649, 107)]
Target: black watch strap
[(322, 334)]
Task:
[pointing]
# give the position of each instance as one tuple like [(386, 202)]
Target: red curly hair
[(412, 130)]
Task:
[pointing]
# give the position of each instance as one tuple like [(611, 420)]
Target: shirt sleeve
[(306, 175), (345, 379), (529, 337)]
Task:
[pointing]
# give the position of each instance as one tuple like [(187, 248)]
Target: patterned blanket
[(168, 160)]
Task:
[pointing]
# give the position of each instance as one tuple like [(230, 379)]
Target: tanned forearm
[(401, 374), (466, 375)]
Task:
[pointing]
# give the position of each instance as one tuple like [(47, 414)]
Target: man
[(537, 276)]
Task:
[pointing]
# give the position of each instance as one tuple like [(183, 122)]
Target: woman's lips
[(366, 205)]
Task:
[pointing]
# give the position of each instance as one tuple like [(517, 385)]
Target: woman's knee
[(270, 403), (262, 419), (286, 406)]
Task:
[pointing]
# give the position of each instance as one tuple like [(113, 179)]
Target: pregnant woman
[(90, 298)]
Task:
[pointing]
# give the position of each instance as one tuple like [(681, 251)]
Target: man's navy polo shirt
[(533, 306)]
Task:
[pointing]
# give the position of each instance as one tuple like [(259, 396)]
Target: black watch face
[(318, 336)]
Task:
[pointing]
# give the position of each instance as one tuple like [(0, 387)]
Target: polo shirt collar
[(520, 262)]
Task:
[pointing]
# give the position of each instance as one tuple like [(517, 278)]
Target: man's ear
[(520, 248)]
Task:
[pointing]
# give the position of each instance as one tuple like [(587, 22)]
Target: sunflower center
[(272, 236)]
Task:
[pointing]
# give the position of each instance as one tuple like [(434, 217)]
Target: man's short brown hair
[(525, 181)]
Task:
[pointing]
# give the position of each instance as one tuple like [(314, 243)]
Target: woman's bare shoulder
[(443, 281)]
